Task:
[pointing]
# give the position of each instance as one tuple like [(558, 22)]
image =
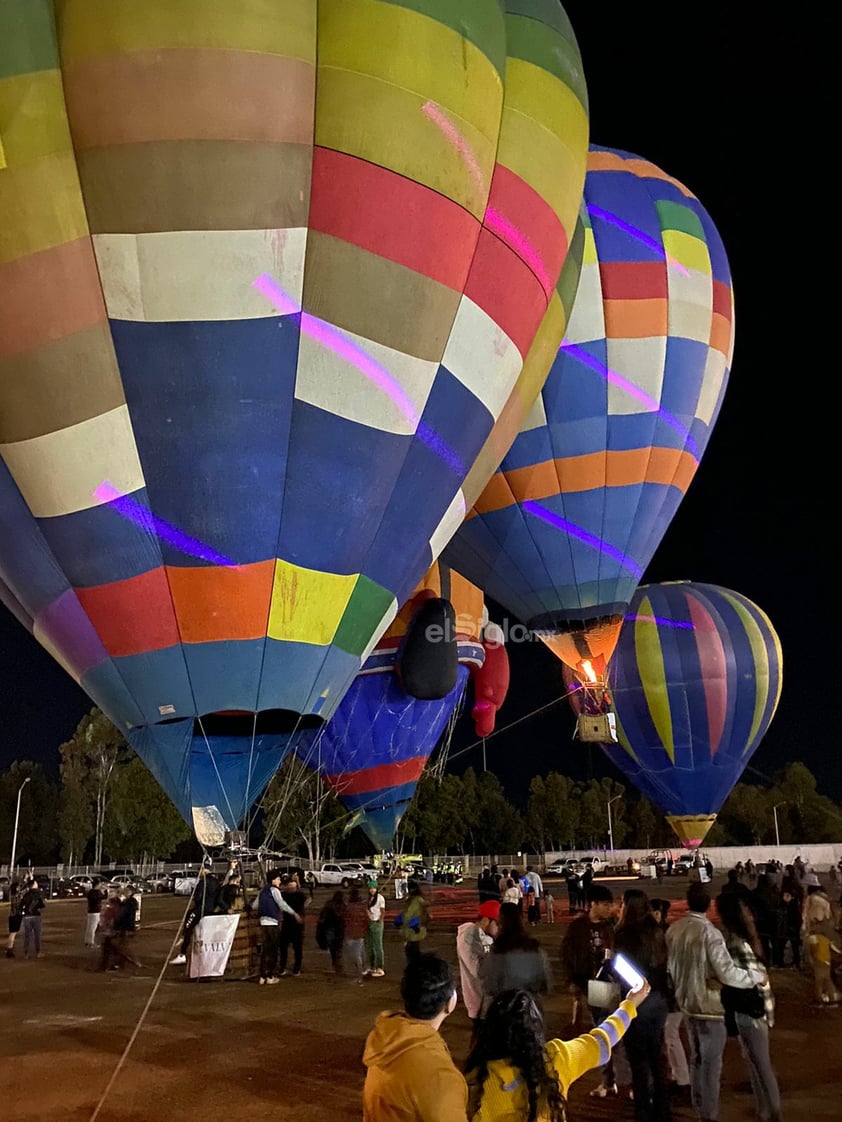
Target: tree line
[(106, 806)]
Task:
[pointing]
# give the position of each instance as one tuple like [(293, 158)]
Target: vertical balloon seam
[(315, 678), (606, 443), (647, 190), (710, 231), (760, 680), (649, 654), (761, 635), (516, 506), (708, 629)]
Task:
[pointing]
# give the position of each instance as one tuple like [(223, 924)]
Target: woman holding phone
[(515, 1074), (640, 939)]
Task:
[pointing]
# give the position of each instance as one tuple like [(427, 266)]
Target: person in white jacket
[(473, 941), (699, 964)]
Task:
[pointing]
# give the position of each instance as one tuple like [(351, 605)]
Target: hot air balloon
[(268, 277), (563, 532), (375, 747), (694, 683)]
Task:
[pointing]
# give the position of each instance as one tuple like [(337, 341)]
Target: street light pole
[(15, 834), (775, 812), (610, 825)]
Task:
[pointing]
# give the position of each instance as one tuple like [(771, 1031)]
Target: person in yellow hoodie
[(411, 1076), (516, 1075)]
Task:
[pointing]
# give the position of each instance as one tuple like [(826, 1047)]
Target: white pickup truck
[(332, 872)]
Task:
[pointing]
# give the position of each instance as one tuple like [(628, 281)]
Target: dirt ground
[(227, 1050)]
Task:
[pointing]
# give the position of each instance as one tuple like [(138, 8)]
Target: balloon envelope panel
[(376, 745), (269, 274), (695, 682), (564, 530)]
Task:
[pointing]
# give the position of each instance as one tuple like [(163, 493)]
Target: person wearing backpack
[(32, 903), (270, 906)]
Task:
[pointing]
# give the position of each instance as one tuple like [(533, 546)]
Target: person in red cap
[(473, 941)]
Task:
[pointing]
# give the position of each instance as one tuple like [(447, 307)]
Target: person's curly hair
[(513, 1030)]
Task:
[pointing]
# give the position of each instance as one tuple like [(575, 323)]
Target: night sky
[(708, 100)]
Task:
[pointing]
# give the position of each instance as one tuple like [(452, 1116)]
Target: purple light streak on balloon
[(494, 220), (333, 340), (634, 391), (661, 622), (633, 231), (582, 535), (431, 110), (127, 508)]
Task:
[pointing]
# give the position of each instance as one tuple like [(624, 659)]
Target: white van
[(184, 881)]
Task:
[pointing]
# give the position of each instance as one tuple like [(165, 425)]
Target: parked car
[(66, 887), (84, 881), (143, 886), (561, 867), (184, 881), (114, 874), (332, 872), (366, 870), (595, 862), (160, 882), (122, 883), (681, 863)]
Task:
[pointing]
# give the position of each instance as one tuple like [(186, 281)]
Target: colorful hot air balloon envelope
[(269, 273), (564, 530), (375, 747), (694, 682)]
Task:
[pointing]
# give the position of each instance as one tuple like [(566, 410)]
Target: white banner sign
[(213, 937)]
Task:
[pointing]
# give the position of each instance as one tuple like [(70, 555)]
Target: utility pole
[(775, 812), (15, 834), (611, 826)]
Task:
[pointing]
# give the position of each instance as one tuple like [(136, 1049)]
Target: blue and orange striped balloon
[(563, 532), (695, 682)]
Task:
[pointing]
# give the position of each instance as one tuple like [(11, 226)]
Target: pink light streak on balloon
[(497, 222), (431, 110), (493, 219), (333, 340)]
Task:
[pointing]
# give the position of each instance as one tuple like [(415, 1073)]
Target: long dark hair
[(513, 1030), (512, 933), (736, 917), (639, 935)]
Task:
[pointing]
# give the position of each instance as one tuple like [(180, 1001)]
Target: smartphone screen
[(621, 965)]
